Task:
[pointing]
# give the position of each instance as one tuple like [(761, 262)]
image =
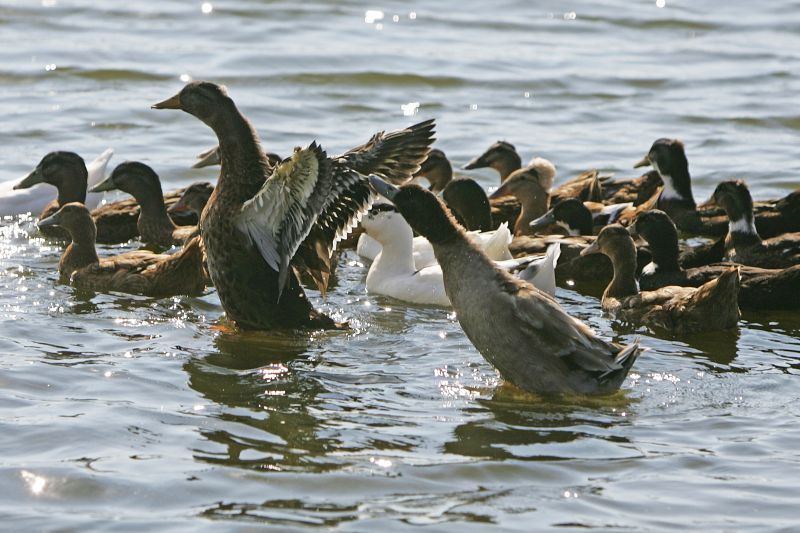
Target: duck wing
[(396, 155), (567, 338)]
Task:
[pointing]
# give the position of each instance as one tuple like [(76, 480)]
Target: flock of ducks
[(270, 222)]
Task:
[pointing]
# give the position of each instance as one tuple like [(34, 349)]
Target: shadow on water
[(523, 426), (264, 396)]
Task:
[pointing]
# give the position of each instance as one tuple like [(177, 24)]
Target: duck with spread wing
[(259, 223)]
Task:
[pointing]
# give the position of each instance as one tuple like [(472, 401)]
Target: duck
[(761, 288), (743, 243), (531, 186), (469, 204), (210, 157), (437, 169), (520, 330), (154, 224), (578, 218), (140, 272), (392, 227), (18, 197), (260, 221), (192, 201), (395, 273), (502, 156), (677, 310)]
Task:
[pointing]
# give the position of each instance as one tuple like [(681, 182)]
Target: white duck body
[(394, 273), (493, 243), (35, 199)]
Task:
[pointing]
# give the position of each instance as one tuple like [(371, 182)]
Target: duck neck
[(72, 190), (243, 163), (677, 185), (397, 255), (742, 232), (532, 207), (154, 211), (79, 253), (624, 281)]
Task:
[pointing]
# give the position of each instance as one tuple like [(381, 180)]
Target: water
[(122, 412)]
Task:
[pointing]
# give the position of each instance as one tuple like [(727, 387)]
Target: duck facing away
[(154, 223), (521, 331), (743, 243), (678, 310), (253, 229), (761, 288), (140, 272)]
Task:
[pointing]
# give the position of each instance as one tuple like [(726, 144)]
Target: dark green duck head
[(64, 170)]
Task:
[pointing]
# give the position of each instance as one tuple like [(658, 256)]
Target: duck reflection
[(266, 400), (522, 426)]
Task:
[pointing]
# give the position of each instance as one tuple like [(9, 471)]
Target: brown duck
[(154, 224), (678, 310), (253, 227), (139, 272), (530, 186)]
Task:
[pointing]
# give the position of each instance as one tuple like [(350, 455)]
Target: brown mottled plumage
[(139, 272), (678, 310)]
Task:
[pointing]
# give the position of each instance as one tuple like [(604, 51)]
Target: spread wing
[(350, 197), (280, 216), (396, 155)]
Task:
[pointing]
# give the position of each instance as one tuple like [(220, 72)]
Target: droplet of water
[(412, 15), (206, 8)]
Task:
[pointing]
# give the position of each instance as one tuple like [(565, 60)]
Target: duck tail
[(622, 364), (496, 247)]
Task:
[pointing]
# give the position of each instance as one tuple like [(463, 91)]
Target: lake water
[(126, 413)]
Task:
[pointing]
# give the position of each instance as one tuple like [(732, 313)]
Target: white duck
[(33, 200), (394, 272), (493, 243)]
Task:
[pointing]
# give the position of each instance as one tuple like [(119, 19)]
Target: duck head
[(570, 214), (73, 217), (384, 223), (468, 202), (532, 182), (65, 170), (436, 169), (615, 242), (422, 209), (735, 199), (659, 231), (501, 156), (193, 200), (203, 99), (134, 178), (668, 158)]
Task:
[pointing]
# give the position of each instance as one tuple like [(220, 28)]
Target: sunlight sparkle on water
[(661, 3), (372, 15), (36, 484), (206, 8), (185, 78), (385, 463), (410, 109)]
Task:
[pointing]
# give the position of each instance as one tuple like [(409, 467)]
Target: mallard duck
[(761, 288), (436, 169), (501, 156), (154, 224), (578, 218), (385, 219), (210, 157), (521, 331), (678, 310), (253, 229), (531, 186), (193, 200), (743, 243), (15, 200), (139, 272)]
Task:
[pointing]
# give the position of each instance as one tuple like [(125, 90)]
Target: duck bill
[(387, 190), (178, 208), (170, 103), (52, 220), (208, 158), (105, 185), (503, 190), (543, 221), (593, 248), (31, 179), (645, 162), (478, 162)]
